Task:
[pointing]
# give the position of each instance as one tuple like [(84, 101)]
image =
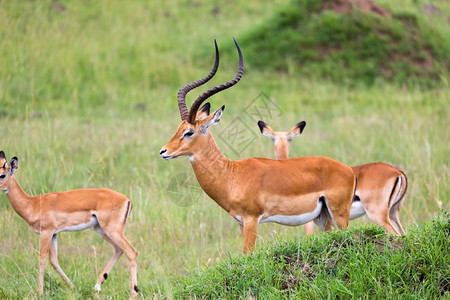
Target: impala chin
[(166, 157)]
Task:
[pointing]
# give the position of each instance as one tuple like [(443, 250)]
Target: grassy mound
[(360, 263), (350, 42)]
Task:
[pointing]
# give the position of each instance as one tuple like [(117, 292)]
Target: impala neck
[(282, 150), (22, 203), (213, 171)]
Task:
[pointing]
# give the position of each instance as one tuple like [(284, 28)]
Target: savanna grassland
[(88, 97)]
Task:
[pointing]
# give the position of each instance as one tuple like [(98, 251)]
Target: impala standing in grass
[(103, 210), (379, 192), (257, 190)]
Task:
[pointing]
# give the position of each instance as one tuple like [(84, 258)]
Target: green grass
[(88, 98), (362, 263)]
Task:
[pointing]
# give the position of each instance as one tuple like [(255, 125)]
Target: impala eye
[(188, 134), (2, 176)]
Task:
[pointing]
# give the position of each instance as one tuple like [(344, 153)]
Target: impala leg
[(309, 228), (249, 234), (341, 222), (393, 215), (119, 239), (54, 260), (117, 253), (333, 216), (339, 211), (46, 239), (382, 219)]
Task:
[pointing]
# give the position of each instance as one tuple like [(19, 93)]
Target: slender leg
[(46, 239), (341, 222), (119, 239), (54, 260), (339, 211), (309, 228), (249, 234), (117, 253), (382, 218), (393, 215)]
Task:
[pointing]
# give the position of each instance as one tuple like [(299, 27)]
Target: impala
[(257, 190), (379, 192), (103, 210)]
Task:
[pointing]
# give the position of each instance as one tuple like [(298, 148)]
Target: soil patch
[(346, 6)]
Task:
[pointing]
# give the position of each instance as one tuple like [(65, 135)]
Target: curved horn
[(215, 90), (184, 90)]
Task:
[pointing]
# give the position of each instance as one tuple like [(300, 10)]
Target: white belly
[(81, 226), (293, 220), (357, 210)]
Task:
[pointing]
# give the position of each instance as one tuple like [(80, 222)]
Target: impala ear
[(13, 165), (212, 119), (204, 111), (265, 129), (296, 130), (2, 160)]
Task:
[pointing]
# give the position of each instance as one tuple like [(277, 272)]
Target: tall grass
[(88, 97)]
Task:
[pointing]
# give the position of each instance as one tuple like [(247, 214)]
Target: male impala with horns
[(258, 190)]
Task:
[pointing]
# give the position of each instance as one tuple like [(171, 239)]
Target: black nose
[(162, 151)]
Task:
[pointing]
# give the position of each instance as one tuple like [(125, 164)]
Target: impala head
[(281, 140), (6, 171), (192, 134)]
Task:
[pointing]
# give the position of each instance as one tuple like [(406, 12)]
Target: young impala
[(257, 190), (103, 210), (379, 192)]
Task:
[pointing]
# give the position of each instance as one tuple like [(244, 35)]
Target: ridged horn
[(184, 90), (216, 89)]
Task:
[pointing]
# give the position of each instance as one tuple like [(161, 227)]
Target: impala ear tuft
[(206, 108), (2, 154), (212, 119), (266, 130), (203, 112), (13, 165), (296, 130), (301, 125), (218, 114), (261, 125)]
